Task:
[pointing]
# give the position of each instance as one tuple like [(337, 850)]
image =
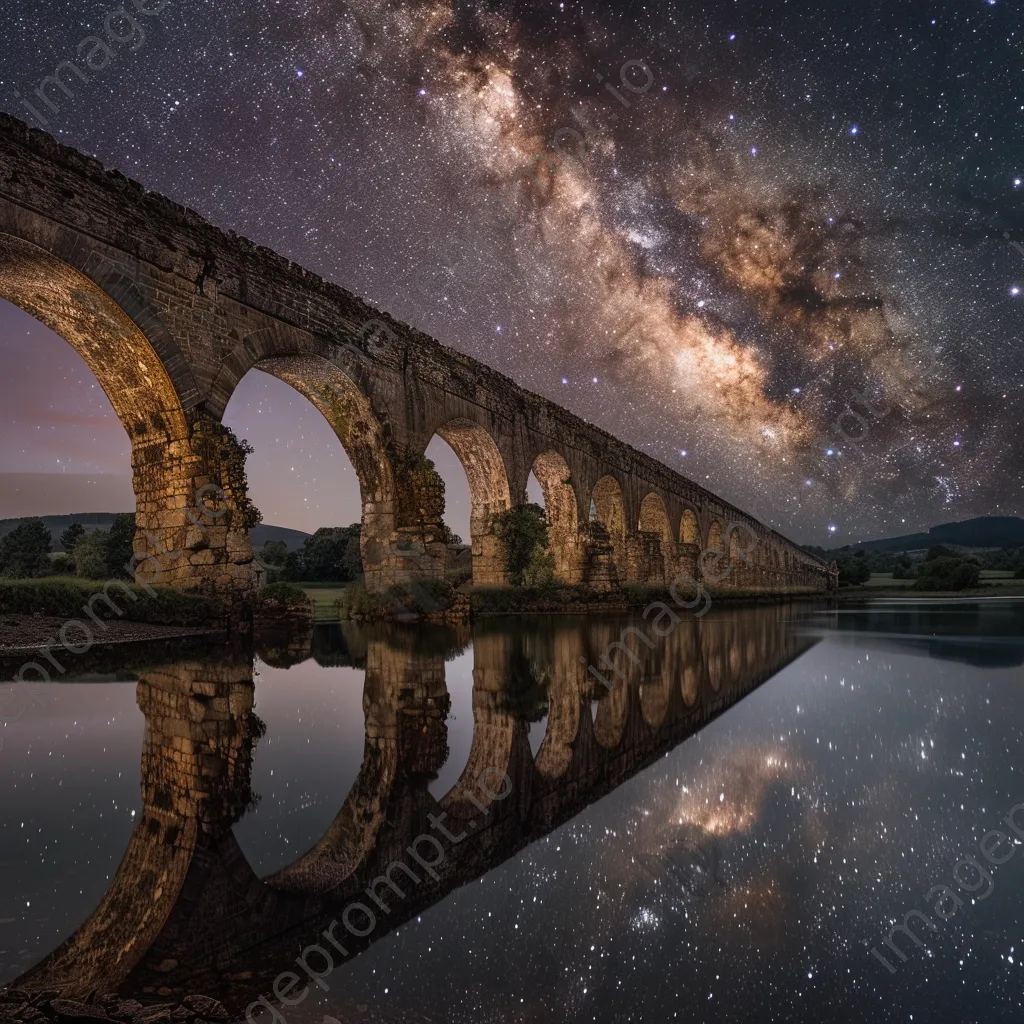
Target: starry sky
[(777, 246)]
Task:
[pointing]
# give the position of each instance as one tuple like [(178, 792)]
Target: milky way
[(768, 244)]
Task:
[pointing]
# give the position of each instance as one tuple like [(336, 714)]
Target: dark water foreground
[(725, 834)]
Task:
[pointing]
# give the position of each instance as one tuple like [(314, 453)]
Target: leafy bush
[(284, 593), (904, 569), (90, 556), (331, 555), (853, 571), (523, 532), (948, 573), (423, 596), (965, 575), (358, 602), (70, 598), (458, 577), (540, 573), (62, 565)]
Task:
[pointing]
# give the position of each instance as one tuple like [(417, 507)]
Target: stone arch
[(488, 494), (689, 531), (276, 340), (348, 411), (714, 541), (608, 509), (656, 552), (552, 473), (656, 693), (144, 377)]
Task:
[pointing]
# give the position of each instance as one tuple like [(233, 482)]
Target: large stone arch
[(350, 415), (552, 473), (689, 544), (273, 341), (608, 509), (655, 548), (488, 494), (689, 530), (186, 536)]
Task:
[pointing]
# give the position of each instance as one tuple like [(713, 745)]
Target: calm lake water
[(723, 832)]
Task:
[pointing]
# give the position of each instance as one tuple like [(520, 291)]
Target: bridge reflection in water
[(186, 913)]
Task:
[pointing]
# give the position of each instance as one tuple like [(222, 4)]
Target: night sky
[(759, 211)]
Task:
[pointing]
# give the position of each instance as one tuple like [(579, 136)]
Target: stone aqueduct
[(170, 313)]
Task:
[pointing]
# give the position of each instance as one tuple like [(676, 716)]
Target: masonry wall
[(210, 306)]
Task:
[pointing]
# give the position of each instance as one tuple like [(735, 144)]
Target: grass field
[(323, 596), (992, 580)]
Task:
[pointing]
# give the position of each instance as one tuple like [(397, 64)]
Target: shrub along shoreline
[(437, 600), (89, 600)]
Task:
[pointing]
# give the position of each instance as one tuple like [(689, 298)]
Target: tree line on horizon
[(26, 552)]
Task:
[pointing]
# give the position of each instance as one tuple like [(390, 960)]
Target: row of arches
[(595, 539)]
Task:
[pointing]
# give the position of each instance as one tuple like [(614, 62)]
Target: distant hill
[(259, 535), (983, 532)]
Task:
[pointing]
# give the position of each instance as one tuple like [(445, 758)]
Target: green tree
[(71, 536), (274, 552), (903, 569), (90, 555), (120, 545), (24, 552), (292, 569), (330, 555), (948, 573), (449, 538), (352, 560), (853, 571), (938, 551), (523, 532)]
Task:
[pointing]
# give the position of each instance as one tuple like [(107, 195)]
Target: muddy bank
[(26, 634)]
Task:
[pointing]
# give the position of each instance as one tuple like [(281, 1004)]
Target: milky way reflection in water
[(723, 836)]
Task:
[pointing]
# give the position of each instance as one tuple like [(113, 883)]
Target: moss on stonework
[(419, 491), (224, 455)]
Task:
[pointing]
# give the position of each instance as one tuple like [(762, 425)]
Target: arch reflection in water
[(186, 913)]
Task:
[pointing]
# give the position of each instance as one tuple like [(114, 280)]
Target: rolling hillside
[(102, 520)]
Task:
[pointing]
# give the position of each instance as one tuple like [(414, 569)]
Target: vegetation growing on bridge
[(523, 532)]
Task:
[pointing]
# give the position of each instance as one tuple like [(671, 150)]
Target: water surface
[(724, 834)]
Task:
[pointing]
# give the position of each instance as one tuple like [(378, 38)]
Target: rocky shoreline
[(49, 1008), (26, 634)]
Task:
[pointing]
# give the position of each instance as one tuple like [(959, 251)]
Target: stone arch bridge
[(170, 313)]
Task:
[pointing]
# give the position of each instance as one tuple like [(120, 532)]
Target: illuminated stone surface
[(170, 313)]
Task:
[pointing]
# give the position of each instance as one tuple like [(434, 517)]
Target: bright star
[(854, 129)]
